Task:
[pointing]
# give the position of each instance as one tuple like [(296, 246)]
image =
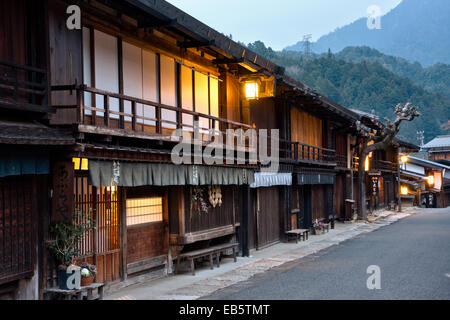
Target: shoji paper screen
[(106, 69), (201, 98), (187, 96), (87, 67), (149, 84), (132, 76), (214, 98), (168, 95)]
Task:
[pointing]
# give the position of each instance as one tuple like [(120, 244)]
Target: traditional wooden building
[(438, 148), (423, 182), (110, 106), (27, 145)]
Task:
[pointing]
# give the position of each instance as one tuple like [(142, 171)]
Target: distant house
[(423, 183), (438, 148)]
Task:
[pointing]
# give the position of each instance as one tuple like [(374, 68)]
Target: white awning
[(263, 179)]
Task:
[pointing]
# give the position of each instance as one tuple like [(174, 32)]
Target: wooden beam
[(228, 61), (206, 235), (146, 264), (195, 44), (152, 24), (99, 20)]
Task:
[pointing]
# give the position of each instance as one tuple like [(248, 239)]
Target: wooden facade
[(116, 90)]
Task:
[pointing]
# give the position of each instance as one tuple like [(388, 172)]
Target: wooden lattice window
[(101, 204), (144, 210)]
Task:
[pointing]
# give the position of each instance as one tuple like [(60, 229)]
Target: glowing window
[(367, 164), (251, 90), (404, 190), (80, 164), (144, 210)]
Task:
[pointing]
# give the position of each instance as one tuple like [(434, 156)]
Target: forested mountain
[(365, 86), (417, 30), (435, 78)]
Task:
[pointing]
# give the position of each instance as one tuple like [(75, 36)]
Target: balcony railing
[(301, 152), (383, 165), (23, 87), (341, 161), (105, 109), (117, 111)]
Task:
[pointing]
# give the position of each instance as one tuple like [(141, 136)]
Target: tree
[(406, 112)]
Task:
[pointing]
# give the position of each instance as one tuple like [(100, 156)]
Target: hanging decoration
[(198, 203), (215, 196)]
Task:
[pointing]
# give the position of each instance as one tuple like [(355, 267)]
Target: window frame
[(144, 224)]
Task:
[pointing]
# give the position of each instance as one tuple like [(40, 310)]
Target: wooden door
[(17, 214), (305, 216), (146, 228), (100, 246), (339, 196), (318, 202), (268, 216)]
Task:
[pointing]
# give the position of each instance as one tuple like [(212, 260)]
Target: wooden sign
[(62, 202), (374, 186)]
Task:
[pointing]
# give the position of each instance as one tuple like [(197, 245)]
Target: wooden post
[(63, 177), (133, 119), (123, 233), (158, 120), (106, 114), (245, 209), (121, 87)]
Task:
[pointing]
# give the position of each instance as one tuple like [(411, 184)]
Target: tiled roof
[(32, 133), (438, 142)]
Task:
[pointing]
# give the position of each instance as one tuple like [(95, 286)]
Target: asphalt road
[(413, 255)]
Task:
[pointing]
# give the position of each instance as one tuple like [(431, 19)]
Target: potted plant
[(88, 273), (318, 227), (64, 246)]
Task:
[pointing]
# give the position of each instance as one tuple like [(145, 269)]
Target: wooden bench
[(207, 252), (298, 233), (78, 294)]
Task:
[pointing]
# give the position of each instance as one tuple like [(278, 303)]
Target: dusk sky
[(279, 23)]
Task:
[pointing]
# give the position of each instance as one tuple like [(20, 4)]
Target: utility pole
[(307, 45), (421, 137)]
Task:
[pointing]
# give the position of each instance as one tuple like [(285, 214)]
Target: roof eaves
[(184, 20)]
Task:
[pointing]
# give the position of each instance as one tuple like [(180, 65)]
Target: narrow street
[(413, 255)]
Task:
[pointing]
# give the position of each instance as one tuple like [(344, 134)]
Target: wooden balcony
[(139, 118), (135, 117), (341, 161), (23, 88), (382, 165), (296, 152), (378, 165)]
